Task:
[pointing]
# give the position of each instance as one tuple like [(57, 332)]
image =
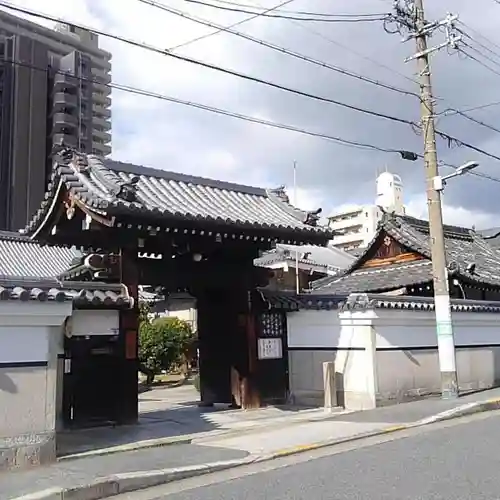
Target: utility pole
[(442, 304)]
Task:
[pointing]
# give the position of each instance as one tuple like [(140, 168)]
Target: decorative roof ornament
[(358, 302), (280, 192), (63, 153), (80, 163), (128, 190), (312, 217)]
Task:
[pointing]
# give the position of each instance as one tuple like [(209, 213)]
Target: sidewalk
[(172, 416), (254, 436), (317, 432)]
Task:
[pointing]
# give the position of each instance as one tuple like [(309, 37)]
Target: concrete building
[(356, 227), (48, 95)]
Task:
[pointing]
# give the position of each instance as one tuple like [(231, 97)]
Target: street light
[(439, 182), (444, 325)]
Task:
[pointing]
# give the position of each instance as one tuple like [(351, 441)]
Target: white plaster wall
[(28, 369), (23, 343), (406, 353), (95, 322), (310, 329), (315, 337), (407, 358), (30, 338)]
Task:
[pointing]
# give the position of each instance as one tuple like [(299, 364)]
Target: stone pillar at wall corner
[(355, 364)]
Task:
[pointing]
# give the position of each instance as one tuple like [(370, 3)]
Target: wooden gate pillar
[(250, 397), (129, 331)]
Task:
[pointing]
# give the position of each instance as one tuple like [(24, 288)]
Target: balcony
[(101, 75), (65, 138), (99, 88), (100, 110), (100, 136), (103, 123), (101, 99), (64, 81), (64, 119), (65, 99), (101, 149)]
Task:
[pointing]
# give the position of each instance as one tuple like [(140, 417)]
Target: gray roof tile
[(24, 258), (463, 247), (324, 258), (82, 294), (289, 301), (376, 279), (121, 189)]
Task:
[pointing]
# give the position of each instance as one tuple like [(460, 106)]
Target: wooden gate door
[(272, 356), (91, 387)]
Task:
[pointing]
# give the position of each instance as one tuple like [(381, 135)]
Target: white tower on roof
[(390, 193)]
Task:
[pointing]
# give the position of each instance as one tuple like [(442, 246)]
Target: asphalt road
[(456, 460)]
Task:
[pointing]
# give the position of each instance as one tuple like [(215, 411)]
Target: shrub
[(163, 343)]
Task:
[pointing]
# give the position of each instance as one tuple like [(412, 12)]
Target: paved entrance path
[(264, 431), (171, 414)]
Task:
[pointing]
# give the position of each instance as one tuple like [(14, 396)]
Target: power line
[(283, 50), (284, 11), (222, 29), (214, 67), (321, 35), (451, 111), (479, 122), (220, 111), (480, 35), (342, 18), (145, 46), (481, 63), (464, 33)]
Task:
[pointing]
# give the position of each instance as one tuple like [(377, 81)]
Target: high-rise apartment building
[(53, 89)]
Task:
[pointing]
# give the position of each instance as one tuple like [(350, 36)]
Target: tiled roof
[(469, 257), (363, 301), (24, 258), (82, 294), (92, 294), (492, 236), (325, 259), (116, 189), (377, 279), (289, 301)]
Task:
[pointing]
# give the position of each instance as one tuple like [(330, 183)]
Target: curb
[(461, 411), (132, 481), (122, 483), (138, 445)]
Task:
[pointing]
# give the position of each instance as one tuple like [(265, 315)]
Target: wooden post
[(129, 333), (250, 391), (329, 386)]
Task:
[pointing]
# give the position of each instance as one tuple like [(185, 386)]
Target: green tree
[(163, 343)]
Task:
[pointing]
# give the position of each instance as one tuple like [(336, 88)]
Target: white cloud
[(453, 215), (179, 138)]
